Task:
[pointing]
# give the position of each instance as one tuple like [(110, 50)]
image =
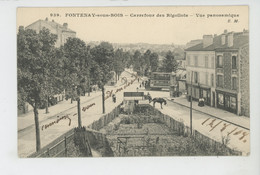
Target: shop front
[(195, 92), (200, 92), (205, 93), (227, 101)]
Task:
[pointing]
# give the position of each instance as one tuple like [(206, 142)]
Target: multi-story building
[(232, 73), (62, 31), (218, 65), (200, 64)]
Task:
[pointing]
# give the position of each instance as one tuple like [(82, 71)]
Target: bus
[(161, 80)]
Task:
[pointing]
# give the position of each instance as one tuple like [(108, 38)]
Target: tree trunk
[(103, 99), (37, 129), (47, 105), (79, 113), (88, 88), (71, 100)]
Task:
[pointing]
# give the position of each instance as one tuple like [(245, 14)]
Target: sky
[(189, 22)]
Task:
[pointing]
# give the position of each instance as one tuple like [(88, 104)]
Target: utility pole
[(79, 113), (191, 104)]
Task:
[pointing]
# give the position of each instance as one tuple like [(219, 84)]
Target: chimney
[(46, 19), (230, 39), (223, 39), (65, 25), (207, 40)]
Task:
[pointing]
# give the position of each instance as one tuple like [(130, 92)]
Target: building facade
[(232, 73), (217, 68), (200, 67), (62, 31)]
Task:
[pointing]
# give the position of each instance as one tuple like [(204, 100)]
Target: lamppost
[(191, 104)]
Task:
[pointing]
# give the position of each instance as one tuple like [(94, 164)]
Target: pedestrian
[(114, 98)]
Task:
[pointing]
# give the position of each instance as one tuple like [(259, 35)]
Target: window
[(212, 62), (233, 103), (212, 80), (221, 99), (220, 81), (206, 61), (204, 94), (234, 83), (195, 77), (207, 78), (196, 60), (188, 76), (234, 62), (188, 59), (219, 61)]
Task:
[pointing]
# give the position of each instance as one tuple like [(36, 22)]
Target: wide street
[(227, 131), (26, 133), (235, 136)]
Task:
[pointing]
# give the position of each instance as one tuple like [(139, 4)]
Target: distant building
[(193, 43), (62, 31), (181, 63), (220, 68)]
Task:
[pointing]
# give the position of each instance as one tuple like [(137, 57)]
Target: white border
[(11, 164)]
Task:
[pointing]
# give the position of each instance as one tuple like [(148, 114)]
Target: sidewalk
[(228, 116), (27, 120), (26, 139), (234, 136)]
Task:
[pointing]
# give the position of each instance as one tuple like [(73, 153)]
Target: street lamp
[(191, 105)]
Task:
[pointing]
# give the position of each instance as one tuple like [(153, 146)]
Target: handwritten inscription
[(125, 83), (224, 127), (87, 107), (57, 121)]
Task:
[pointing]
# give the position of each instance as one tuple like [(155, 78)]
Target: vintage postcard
[(133, 81)]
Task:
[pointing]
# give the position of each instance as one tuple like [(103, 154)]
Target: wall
[(201, 68), (227, 70), (244, 81), (105, 119)]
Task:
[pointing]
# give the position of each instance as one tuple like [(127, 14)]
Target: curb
[(210, 115), (54, 115)]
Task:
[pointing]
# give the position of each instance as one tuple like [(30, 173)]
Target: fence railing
[(59, 147)]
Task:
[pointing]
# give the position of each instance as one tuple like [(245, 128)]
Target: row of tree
[(44, 70), (148, 62)]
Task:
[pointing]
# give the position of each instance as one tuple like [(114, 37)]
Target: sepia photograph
[(165, 81)]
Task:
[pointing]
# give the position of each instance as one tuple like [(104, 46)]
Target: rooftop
[(239, 39), (54, 24)]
